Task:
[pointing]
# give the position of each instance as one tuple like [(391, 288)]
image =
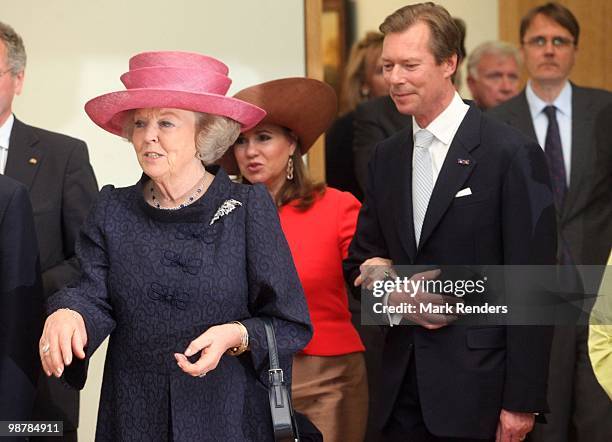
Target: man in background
[(561, 117), (61, 184), (493, 73)]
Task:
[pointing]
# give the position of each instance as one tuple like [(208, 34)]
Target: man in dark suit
[(561, 117), (493, 75), (453, 188), (61, 183), (21, 304)]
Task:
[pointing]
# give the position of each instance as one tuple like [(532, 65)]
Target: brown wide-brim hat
[(305, 106)]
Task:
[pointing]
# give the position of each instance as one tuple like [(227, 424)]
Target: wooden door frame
[(313, 10)]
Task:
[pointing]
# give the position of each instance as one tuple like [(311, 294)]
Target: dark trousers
[(55, 401), (580, 410), (406, 423), (373, 338)]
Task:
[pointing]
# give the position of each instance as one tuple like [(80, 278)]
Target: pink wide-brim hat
[(172, 79)]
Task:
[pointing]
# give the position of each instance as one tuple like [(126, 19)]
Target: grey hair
[(499, 48), (214, 134), (15, 50)]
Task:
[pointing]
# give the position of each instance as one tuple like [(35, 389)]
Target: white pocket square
[(464, 192)]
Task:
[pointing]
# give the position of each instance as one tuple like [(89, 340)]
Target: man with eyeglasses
[(493, 73), (561, 117), (61, 185)]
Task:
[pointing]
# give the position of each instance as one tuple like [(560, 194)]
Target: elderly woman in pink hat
[(329, 375), (178, 269)]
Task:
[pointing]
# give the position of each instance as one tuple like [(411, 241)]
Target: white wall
[(78, 49), (480, 16)]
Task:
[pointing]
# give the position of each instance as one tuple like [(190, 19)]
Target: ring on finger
[(201, 375), (45, 348)]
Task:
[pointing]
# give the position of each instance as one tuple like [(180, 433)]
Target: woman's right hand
[(64, 335)]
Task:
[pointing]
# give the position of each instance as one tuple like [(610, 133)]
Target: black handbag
[(283, 417)]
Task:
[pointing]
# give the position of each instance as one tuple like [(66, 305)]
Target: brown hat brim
[(305, 106)]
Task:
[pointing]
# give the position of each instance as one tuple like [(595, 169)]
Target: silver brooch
[(226, 208)]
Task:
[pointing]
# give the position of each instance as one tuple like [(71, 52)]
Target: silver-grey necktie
[(422, 179), (3, 158)]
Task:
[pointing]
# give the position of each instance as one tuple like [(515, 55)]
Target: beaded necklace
[(199, 189)]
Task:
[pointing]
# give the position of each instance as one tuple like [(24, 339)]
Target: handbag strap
[(275, 373), (272, 350), (276, 378)]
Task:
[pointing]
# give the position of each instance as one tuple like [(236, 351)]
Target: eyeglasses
[(557, 42)]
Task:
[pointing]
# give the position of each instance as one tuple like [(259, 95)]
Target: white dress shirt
[(563, 103), (5, 137), (443, 127)]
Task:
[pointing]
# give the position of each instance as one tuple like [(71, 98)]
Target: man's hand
[(430, 321), (374, 269), (513, 426), (377, 269)]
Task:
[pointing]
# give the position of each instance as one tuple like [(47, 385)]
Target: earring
[(365, 91), (290, 169)]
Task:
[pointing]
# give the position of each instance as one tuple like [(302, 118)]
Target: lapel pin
[(32, 161), (463, 162)]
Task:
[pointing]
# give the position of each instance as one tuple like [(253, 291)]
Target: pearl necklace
[(188, 200)]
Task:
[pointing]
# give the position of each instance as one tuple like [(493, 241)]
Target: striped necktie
[(422, 179), (3, 158)]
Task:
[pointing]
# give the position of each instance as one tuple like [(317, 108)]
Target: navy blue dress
[(155, 280)]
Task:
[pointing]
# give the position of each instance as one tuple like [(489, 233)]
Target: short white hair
[(499, 48)]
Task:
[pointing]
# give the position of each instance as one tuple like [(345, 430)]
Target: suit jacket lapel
[(402, 165), (23, 157), (582, 142), (454, 173)]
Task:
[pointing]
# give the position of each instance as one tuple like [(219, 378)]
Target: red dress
[(319, 239)]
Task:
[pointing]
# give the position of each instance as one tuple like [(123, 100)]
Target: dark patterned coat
[(155, 280)]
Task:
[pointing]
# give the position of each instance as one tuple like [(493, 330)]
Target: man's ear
[(18, 79), (450, 65), (470, 83)]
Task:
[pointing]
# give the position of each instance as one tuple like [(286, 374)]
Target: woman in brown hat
[(176, 269), (329, 376)]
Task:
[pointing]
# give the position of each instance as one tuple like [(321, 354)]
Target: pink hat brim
[(107, 110)]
